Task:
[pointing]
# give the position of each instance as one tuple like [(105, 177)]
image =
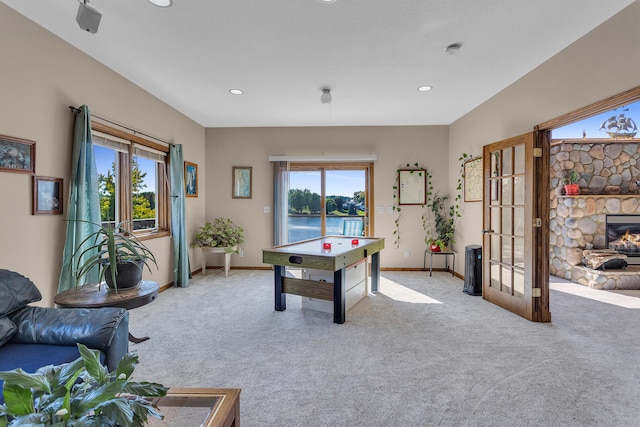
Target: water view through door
[(322, 198)]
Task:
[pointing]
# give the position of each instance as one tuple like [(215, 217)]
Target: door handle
[(487, 231)]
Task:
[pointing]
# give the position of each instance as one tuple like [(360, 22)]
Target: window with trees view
[(131, 182)]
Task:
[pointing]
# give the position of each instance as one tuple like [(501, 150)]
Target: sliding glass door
[(321, 197)]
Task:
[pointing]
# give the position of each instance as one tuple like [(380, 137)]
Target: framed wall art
[(242, 182), (47, 195), (17, 155), (473, 180), (412, 186), (190, 179)]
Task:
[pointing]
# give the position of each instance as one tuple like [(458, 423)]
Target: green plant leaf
[(17, 399), (91, 359)]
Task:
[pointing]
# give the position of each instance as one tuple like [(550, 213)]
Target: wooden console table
[(96, 296), (210, 407)]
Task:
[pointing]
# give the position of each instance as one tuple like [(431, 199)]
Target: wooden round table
[(96, 296)]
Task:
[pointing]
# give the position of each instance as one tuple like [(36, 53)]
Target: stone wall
[(609, 178)]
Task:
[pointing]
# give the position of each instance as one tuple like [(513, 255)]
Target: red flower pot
[(435, 248), (571, 189)]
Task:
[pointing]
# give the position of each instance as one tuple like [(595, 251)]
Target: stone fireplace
[(609, 175)]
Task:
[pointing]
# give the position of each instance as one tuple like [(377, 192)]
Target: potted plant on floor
[(118, 254), (80, 393), (221, 233), (571, 187)]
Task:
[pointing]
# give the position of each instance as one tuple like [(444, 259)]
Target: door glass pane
[(507, 221), (518, 281), (345, 200), (518, 221), (506, 191), (496, 224), (518, 190), (507, 248), (494, 190), (518, 161), (506, 162), (303, 221), (506, 280), (494, 272), (518, 252), (495, 248)]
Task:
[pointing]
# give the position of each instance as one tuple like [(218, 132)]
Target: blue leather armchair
[(32, 337)]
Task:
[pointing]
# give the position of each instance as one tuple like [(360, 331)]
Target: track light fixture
[(325, 98)]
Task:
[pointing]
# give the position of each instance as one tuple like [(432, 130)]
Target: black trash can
[(473, 270)]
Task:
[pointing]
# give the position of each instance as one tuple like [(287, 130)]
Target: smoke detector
[(453, 49)]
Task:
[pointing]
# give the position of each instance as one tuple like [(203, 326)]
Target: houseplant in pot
[(118, 254), (220, 233), (80, 393), (571, 187), (444, 224)]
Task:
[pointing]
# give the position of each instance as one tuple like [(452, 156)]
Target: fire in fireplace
[(623, 235)]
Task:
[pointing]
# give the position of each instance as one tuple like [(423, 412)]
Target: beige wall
[(601, 64), (394, 146), (41, 76)]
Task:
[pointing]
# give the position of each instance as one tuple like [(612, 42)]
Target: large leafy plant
[(220, 233), (108, 246), (80, 393)]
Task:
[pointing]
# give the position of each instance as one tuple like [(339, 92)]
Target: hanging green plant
[(441, 234)]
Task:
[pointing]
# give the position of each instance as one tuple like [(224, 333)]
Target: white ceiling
[(372, 54)]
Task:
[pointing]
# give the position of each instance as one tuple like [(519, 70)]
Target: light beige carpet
[(419, 353)]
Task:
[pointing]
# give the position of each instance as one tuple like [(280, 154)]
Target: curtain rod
[(135, 132)]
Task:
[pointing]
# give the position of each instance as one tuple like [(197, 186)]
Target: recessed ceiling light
[(327, 1), (425, 88), (236, 91), (161, 3)]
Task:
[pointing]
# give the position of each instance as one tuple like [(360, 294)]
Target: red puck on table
[(355, 242), (326, 245)]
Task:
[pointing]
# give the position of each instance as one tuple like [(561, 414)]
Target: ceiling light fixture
[(326, 98), (327, 1), (425, 88), (453, 49), (161, 3), (236, 91)]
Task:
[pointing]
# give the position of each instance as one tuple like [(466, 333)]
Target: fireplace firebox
[(623, 235)]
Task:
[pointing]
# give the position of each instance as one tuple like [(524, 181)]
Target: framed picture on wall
[(47, 196), (190, 179), (473, 180), (17, 155), (412, 186), (242, 182)]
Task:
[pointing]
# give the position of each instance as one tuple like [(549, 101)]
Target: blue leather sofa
[(32, 337)]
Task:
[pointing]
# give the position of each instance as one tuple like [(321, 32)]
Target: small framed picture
[(17, 155), (473, 183), (47, 196), (412, 186), (190, 179), (242, 182)]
